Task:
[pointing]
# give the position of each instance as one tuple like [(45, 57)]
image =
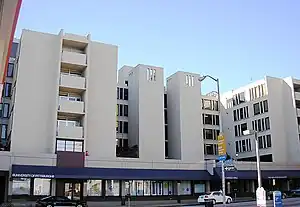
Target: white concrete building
[(269, 107)]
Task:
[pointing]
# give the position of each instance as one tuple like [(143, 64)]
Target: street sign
[(277, 199), (221, 145), (222, 157), (230, 168), (261, 197)]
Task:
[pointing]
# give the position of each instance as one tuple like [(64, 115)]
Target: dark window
[(208, 133), (120, 127), (247, 113), (165, 100), (120, 109), (217, 120), (126, 83), (256, 109), (236, 146), (125, 143), (260, 143), (244, 127), (125, 110), (5, 110), (7, 90), (234, 115), (10, 70), (207, 119), (125, 94), (266, 108), (166, 132), (125, 127), (241, 113), (209, 149), (121, 93), (166, 116), (261, 107), (259, 125), (253, 125), (236, 131), (166, 149), (269, 141), (14, 50), (118, 93), (244, 145)]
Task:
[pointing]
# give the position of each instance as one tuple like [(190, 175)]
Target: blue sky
[(235, 40)]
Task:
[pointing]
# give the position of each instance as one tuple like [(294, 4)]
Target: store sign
[(25, 175), (277, 177)]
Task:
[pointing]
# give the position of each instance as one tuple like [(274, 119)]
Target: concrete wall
[(34, 116), (184, 115)]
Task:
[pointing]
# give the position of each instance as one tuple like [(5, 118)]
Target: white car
[(215, 196)]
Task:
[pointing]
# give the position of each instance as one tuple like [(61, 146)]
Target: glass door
[(73, 191)]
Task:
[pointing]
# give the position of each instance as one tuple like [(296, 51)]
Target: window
[(189, 80), (166, 116), (266, 108), (269, 141), (208, 134), (210, 105), (41, 187), (258, 91), (125, 94), (120, 109), (112, 188), (235, 117), (120, 127), (256, 109), (5, 110), (94, 187), (125, 127), (7, 90), (210, 149), (118, 93), (125, 110), (121, 94), (267, 123), (69, 145), (3, 131), (10, 70), (166, 132), (264, 141), (126, 82), (210, 119), (260, 143), (165, 100), (151, 74), (21, 186), (244, 127)]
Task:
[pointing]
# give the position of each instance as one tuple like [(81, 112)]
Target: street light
[(202, 78), (253, 132)]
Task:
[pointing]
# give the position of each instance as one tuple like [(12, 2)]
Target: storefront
[(244, 182), (106, 183)]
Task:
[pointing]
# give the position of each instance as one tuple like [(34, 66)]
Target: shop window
[(41, 186), (147, 188), (94, 187), (185, 188), (199, 188), (156, 188), (112, 188), (168, 188), (21, 186)]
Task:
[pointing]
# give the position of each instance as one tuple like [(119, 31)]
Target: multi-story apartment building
[(80, 128), (268, 107)]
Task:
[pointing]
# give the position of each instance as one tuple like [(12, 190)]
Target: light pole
[(202, 78), (253, 132)]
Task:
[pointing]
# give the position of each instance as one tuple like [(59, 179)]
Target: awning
[(34, 171), (266, 174)]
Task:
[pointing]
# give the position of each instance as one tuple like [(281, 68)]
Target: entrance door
[(73, 191)]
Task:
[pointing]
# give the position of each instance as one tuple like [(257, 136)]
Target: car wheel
[(49, 205), (228, 201)]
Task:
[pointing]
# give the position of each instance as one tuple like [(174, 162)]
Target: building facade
[(78, 127)]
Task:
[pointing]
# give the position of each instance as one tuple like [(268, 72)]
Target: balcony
[(68, 107), (298, 112), (69, 131), (73, 60), (72, 82), (297, 96), (69, 38)]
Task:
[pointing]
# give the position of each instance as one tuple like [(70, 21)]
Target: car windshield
[(46, 198)]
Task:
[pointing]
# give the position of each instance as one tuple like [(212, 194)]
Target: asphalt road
[(293, 202)]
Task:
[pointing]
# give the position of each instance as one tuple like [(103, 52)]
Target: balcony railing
[(69, 106), (69, 131), (73, 60), (72, 81)]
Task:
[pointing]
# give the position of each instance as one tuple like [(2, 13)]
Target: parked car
[(52, 201), (215, 197), (270, 195), (295, 193)]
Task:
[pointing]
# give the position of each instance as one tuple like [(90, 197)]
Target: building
[(9, 13), (63, 135), (269, 107), (79, 127)]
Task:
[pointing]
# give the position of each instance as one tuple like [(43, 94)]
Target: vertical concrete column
[(53, 187), (228, 188), (288, 185), (207, 186)]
